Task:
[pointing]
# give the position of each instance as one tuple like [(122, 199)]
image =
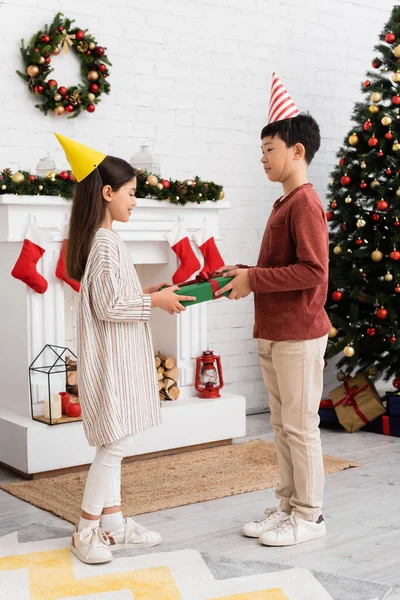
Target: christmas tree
[(364, 213)]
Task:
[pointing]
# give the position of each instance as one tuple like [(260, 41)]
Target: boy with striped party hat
[(290, 283)]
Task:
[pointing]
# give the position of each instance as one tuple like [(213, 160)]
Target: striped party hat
[(281, 106)]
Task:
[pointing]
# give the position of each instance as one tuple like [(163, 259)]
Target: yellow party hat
[(83, 160)]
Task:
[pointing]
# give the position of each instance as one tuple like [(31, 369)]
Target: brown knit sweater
[(290, 281)]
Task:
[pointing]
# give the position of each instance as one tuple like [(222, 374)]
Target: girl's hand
[(169, 301), (156, 288)]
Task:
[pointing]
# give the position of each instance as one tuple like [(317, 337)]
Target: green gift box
[(203, 290)]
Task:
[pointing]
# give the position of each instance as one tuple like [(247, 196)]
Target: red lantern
[(208, 379)]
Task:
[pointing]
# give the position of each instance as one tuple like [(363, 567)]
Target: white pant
[(103, 484)]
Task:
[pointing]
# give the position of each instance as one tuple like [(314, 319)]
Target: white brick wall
[(193, 77)]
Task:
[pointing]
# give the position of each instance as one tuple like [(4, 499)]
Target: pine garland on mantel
[(23, 183)]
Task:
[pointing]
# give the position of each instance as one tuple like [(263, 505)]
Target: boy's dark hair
[(302, 129)]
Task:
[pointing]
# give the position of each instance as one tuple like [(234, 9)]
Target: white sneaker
[(273, 517), (292, 531), (133, 533), (91, 546)]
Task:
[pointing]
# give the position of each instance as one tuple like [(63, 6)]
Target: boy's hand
[(240, 285), (222, 270), (157, 287), (169, 301)]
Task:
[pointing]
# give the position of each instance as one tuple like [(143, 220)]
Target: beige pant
[(293, 376)]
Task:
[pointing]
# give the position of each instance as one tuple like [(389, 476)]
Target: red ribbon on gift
[(349, 399), (386, 425), (201, 278)]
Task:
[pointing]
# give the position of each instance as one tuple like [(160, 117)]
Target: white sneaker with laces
[(91, 546), (273, 516), (134, 534), (294, 530)]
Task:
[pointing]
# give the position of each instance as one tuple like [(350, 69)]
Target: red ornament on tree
[(389, 135), (375, 217), (342, 162), (376, 63), (367, 83), (52, 84), (396, 100), (359, 242), (98, 51), (64, 175), (382, 313), (395, 255), (93, 87), (72, 177), (80, 35), (396, 383), (382, 205), (329, 215), (344, 226), (91, 108), (397, 289), (334, 205), (337, 296), (392, 339), (345, 180), (36, 49), (371, 331), (367, 125), (396, 223), (373, 141), (390, 37), (388, 172), (363, 185)]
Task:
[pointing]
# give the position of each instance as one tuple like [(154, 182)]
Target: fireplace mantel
[(30, 321)]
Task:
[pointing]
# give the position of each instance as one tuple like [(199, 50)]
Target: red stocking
[(35, 244), (205, 241), (180, 244), (61, 269)]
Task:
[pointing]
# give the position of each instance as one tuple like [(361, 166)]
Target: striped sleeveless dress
[(117, 381)]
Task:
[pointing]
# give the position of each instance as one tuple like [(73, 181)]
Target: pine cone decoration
[(141, 175), (181, 189), (6, 172), (75, 99), (82, 46)]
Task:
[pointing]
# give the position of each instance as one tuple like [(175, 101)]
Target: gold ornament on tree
[(17, 177), (332, 332), (377, 255), (337, 250), (51, 175), (353, 139), (221, 195), (396, 51), (396, 76), (374, 109), (388, 277), (361, 223), (363, 164), (386, 121), (396, 146), (398, 192), (348, 199), (375, 184), (376, 97), (349, 351)]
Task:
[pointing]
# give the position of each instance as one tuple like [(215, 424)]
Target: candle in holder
[(55, 407)]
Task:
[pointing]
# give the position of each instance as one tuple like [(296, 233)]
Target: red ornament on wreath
[(91, 108), (45, 39), (38, 89), (99, 51), (345, 180), (52, 84), (94, 88), (69, 108), (103, 67), (72, 177), (80, 35), (31, 178), (64, 175), (165, 183), (373, 141), (382, 313), (388, 172), (337, 296), (62, 90)]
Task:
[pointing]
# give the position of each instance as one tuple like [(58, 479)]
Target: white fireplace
[(29, 321)]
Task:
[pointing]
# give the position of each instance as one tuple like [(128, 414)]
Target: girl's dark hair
[(89, 210), (302, 129)]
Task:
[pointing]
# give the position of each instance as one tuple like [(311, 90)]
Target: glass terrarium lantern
[(53, 386)]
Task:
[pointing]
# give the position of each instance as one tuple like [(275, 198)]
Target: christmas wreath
[(58, 37)]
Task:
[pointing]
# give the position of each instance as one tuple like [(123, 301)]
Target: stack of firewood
[(168, 375)]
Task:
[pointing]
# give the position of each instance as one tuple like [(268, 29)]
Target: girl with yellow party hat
[(117, 380)]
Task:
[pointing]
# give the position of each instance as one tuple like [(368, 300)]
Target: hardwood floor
[(361, 511)]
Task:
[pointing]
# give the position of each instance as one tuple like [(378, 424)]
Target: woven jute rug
[(169, 481)]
